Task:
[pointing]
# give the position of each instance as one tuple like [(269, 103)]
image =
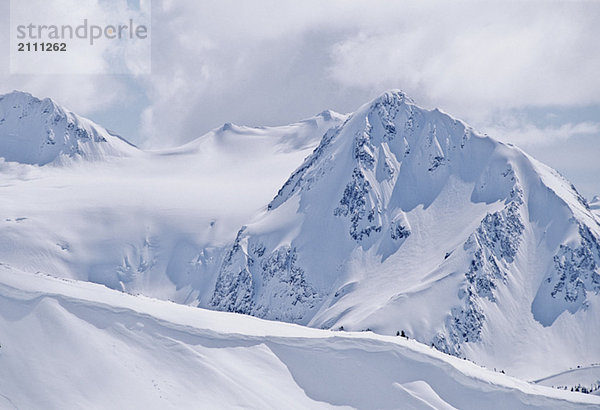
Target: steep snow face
[(34, 131), (68, 344), (406, 219)]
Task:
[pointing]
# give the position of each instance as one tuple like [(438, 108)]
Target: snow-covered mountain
[(396, 218), (67, 344), (34, 131), (407, 219)]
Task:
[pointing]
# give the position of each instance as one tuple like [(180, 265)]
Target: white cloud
[(55, 74), (527, 134), (275, 61), (479, 56), (78, 93)]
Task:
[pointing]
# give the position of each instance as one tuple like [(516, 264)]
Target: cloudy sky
[(523, 72)]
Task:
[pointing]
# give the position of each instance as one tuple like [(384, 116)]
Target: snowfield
[(69, 344)]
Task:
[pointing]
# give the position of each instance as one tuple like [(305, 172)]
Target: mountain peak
[(34, 131), (390, 101), (393, 96), (399, 205), (19, 95), (328, 115), (22, 99), (380, 136)]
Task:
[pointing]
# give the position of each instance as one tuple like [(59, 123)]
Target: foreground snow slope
[(67, 344)]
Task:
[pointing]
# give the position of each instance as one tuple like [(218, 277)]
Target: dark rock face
[(493, 246), (267, 285), (354, 205), (234, 290), (577, 269)]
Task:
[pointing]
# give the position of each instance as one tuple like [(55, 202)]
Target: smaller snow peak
[(35, 131), (17, 96), (17, 100), (230, 127), (327, 115), (23, 104)]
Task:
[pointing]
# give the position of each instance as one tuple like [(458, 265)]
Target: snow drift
[(68, 344)]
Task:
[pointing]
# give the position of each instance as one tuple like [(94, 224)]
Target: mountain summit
[(407, 219), (34, 131)]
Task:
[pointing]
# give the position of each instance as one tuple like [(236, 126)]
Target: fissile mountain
[(393, 219)]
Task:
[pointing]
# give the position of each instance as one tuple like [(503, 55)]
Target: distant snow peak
[(34, 131)]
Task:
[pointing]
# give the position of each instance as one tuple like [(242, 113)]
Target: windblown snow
[(72, 344), (391, 219)]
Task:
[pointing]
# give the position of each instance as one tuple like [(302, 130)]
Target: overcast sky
[(523, 72)]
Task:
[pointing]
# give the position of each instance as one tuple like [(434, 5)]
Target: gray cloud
[(266, 62)]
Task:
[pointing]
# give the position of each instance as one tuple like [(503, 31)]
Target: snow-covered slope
[(34, 131), (406, 219), (68, 344), (153, 222), (254, 143)]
